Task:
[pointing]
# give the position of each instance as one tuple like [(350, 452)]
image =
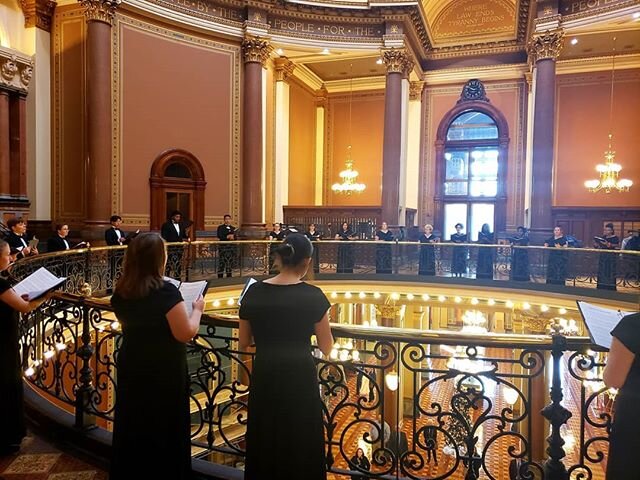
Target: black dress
[(624, 439), (607, 264), (484, 269), (383, 252), (285, 410), (427, 264), (151, 434), (520, 259), (345, 253), (227, 253), (557, 262), (314, 237), (459, 255), (12, 426)]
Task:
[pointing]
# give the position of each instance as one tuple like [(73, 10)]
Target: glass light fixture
[(349, 175), (510, 395), (391, 380), (609, 170)]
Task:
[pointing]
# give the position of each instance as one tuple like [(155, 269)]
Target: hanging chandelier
[(349, 176), (609, 170)]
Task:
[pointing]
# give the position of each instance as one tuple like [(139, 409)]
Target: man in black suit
[(17, 239), (172, 230), (114, 235), (226, 233)]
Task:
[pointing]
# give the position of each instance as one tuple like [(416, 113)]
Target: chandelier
[(349, 176), (609, 170)]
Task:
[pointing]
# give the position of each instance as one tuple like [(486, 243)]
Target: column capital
[(256, 50), (321, 96), (100, 10), (38, 13), (415, 90), (16, 70), (397, 60), (545, 45), (283, 68)]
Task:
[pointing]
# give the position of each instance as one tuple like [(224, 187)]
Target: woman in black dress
[(557, 261), (459, 254), (152, 392), (12, 427), (623, 372), (383, 252), (359, 462), (275, 235), (314, 235), (427, 264), (607, 261), (484, 269), (520, 256), (285, 411), (345, 252)]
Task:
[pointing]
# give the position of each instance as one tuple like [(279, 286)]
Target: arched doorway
[(471, 164), (177, 183)]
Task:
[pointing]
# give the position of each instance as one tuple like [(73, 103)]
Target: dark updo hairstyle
[(294, 249)]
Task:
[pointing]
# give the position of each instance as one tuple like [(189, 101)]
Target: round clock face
[(473, 90)]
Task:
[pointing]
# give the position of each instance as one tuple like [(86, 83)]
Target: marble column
[(18, 145), (5, 151), (398, 65), (544, 49), (283, 70), (256, 52), (98, 195)]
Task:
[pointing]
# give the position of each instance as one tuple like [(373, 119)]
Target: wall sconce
[(510, 395), (392, 380)]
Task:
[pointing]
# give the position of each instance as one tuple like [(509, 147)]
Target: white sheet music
[(600, 321), (38, 283), (190, 291), (250, 282)]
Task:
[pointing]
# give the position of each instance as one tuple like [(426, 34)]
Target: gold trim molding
[(100, 10), (16, 70), (256, 50), (38, 13), (546, 45)]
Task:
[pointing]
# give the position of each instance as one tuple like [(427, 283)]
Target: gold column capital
[(283, 68), (256, 50), (100, 10), (38, 13), (397, 60), (16, 70), (545, 45), (415, 90)]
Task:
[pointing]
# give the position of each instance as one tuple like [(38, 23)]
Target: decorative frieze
[(100, 10), (16, 70), (255, 50), (38, 13), (397, 61), (546, 45)]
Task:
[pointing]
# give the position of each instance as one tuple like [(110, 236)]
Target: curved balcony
[(409, 390)]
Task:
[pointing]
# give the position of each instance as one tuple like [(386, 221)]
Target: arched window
[(177, 183), (471, 152)]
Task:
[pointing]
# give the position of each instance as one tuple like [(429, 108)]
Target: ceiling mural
[(462, 20)]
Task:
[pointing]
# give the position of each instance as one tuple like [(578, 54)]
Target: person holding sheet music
[(17, 239), (279, 315), (383, 252), (12, 425), (152, 358), (314, 235), (520, 256), (226, 253), (345, 260), (607, 261), (114, 236), (557, 260), (459, 254), (427, 262), (484, 267), (275, 235), (622, 371), (59, 242)]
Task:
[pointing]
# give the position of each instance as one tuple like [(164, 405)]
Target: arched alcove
[(177, 183)]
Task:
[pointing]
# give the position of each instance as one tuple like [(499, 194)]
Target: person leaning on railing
[(623, 372), (12, 427), (151, 435), (285, 433)]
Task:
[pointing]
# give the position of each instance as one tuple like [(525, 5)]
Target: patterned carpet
[(40, 460)]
